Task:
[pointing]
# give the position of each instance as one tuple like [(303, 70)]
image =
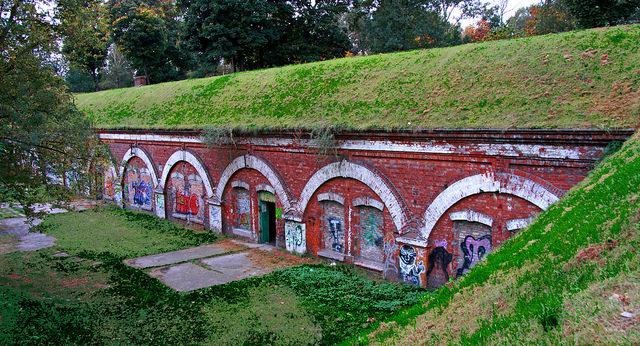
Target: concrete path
[(176, 256), (214, 264)]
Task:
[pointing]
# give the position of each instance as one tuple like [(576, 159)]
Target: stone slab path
[(214, 264)]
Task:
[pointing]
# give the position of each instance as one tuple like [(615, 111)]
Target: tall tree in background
[(42, 136), (233, 30), (117, 73), (84, 25), (396, 25), (595, 13), (146, 32)]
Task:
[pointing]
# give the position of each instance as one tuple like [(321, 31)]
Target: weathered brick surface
[(435, 188)]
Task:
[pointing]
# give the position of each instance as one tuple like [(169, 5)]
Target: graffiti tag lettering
[(474, 250)]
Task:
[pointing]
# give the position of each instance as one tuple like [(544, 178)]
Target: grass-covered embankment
[(565, 279), (582, 79), (92, 297)]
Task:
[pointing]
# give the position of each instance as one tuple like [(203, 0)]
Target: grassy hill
[(582, 79), (565, 279)]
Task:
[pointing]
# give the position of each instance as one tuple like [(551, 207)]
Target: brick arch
[(507, 183), (262, 166), (193, 160), (373, 180), (141, 154)]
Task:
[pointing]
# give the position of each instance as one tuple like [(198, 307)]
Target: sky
[(512, 7)]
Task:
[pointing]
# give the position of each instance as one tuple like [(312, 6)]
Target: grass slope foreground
[(581, 79), (572, 277)]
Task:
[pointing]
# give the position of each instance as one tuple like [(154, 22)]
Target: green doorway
[(267, 205)]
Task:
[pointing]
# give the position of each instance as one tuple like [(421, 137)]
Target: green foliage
[(595, 13), (257, 34), (85, 28), (444, 87), (44, 140)]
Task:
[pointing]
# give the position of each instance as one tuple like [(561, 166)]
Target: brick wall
[(387, 186)]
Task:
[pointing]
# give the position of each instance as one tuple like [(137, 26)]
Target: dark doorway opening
[(267, 222)]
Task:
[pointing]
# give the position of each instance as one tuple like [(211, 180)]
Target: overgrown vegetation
[(91, 296), (582, 79), (568, 278)]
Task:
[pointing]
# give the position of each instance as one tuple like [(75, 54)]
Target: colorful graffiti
[(187, 204), (336, 234), (437, 265), (408, 267), (186, 195), (474, 250), (242, 210), (141, 192), (294, 235)]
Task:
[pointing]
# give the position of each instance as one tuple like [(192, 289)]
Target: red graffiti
[(187, 204)]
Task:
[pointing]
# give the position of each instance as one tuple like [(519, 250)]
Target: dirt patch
[(277, 259)]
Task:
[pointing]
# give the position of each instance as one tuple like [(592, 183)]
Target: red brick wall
[(417, 176)]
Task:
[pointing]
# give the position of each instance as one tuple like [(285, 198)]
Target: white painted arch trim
[(346, 169), (368, 202), (471, 216), (183, 155), (331, 196), (518, 224), (254, 162), (265, 187), (501, 183), (139, 153), (241, 184)]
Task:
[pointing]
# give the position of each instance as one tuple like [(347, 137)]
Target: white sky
[(512, 7)]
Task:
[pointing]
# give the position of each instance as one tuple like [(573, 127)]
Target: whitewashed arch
[(141, 154), (183, 155), (346, 169), (254, 162), (501, 183)]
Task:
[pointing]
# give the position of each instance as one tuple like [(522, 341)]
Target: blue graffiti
[(335, 227), (141, 193)]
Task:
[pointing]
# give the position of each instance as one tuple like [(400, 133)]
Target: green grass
[(552, 81), (553, 282), (92, 297), (120, 232)]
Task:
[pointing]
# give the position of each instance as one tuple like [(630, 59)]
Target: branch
[(11, 140)]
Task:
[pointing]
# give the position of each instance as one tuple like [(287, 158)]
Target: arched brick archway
[(373, 180), (506, 183), (262, 166), (193, 160), (141, 154)]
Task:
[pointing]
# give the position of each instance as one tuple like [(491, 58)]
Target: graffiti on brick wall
[(242, 212), (437, 265), (408, 267), (294, 235), (138, 185), (141, 192), (371, 234), (336, 234), (473, 250), (390, 247), (186, 193)]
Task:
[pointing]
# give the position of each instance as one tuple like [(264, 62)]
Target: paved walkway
[(214, 264)]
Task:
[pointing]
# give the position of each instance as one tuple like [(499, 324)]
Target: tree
[(85, 31), (595, 13), (146, 32), (43, 137), (396, 25), (117, 72)]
